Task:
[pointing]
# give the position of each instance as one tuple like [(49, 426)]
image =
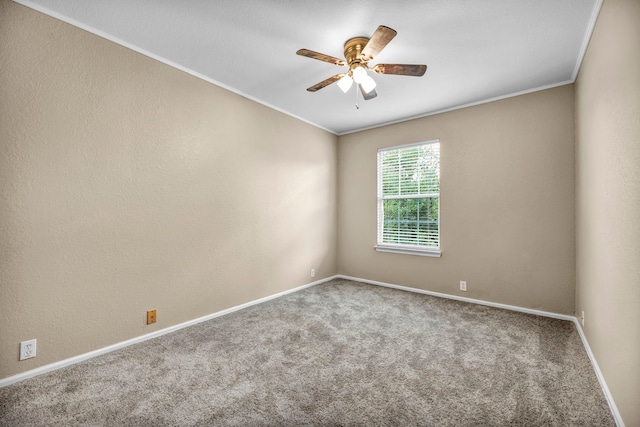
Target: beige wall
[(127, 185), (507, 203), (608, 200)]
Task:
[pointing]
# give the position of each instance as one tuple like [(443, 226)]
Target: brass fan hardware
[(358, 52)]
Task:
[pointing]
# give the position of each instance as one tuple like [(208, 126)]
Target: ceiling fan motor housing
[(353, 51)]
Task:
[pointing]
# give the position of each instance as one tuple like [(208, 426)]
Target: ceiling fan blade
[(401, 69), (368, 96), (325, 83), (377, 42), (321, 57)]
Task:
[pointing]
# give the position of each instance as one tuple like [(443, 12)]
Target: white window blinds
[(408, 198)]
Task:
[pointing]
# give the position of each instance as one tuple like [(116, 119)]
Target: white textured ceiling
[(476, 50)]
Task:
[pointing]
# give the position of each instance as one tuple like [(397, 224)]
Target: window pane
[(411, 221), (390, 173), (391, 221), (430, 169), (412, 170), (428, 234), (409, 170)]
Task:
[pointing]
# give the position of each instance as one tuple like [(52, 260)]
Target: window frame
[(381, 246)]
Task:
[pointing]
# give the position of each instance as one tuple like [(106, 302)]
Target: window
[(409, 199)]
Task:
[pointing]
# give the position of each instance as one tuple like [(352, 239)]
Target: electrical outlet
[(27, 349), (463, 286), (313, 272), (582, 318), (151, 317)]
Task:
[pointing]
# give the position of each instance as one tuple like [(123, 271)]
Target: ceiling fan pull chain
[(357, 106)]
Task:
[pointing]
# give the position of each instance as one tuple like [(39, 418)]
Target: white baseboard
[(603, 383), (465, 299), (592, 358), (72, 360)]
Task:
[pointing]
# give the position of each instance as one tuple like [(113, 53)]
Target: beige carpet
[(340, 353)]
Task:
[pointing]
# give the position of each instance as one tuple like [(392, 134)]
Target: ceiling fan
[(358, 51)]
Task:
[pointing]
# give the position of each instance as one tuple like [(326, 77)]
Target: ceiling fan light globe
[(345, 83), (368, 84), (359, 74)]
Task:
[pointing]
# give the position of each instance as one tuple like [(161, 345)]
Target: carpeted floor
[(340, 353)]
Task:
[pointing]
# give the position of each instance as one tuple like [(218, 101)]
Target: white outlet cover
[(313, 272), (463, 285), (27, 349)]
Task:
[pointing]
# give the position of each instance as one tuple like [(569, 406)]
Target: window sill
[(433, 252)]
